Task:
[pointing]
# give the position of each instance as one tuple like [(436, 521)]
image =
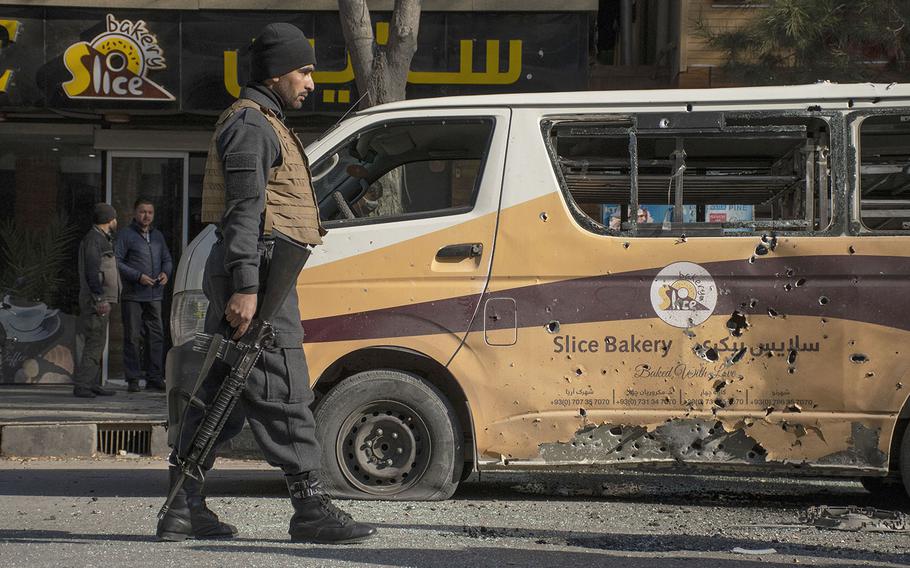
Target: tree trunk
[(381, 71)]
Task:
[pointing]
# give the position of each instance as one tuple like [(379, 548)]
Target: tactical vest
[(290, 202)]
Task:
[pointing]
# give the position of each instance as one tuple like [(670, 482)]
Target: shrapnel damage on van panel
[(698, 440)]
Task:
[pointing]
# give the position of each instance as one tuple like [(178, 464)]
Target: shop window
[(403, 170), (50, 177), (696, 174), (884, 182)]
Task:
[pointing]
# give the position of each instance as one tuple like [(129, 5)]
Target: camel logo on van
[(683, 294), (116, 63)]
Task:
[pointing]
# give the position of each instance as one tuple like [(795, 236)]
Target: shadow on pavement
[(608, 550), (661, 489)]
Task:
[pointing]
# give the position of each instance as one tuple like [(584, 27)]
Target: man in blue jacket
[(145, 267)]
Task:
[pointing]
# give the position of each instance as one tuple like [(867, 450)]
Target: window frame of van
[(854, 121), (361, 221), (628, 121)]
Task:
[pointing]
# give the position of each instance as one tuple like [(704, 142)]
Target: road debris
[(739, 550), (854, 518)]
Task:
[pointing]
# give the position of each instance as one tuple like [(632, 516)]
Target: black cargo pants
[(277, 399)]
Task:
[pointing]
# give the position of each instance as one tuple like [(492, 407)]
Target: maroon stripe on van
[(870, 289)]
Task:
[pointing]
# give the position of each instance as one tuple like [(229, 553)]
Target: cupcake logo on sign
[(115, 65), (683, 294)]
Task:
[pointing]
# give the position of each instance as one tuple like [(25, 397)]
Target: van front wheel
[(387, 434)]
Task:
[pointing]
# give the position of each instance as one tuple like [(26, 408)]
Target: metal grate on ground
[(114, 439)]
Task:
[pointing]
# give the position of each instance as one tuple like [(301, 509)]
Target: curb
[(95, 439)]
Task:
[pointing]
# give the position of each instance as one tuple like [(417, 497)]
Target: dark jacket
[(98, 277), (137, 256)]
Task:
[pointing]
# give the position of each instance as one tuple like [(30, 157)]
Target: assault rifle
[(283, 266)]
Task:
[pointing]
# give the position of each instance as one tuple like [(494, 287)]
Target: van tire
[(387, 434)]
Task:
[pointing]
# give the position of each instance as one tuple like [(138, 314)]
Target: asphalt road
[(102, 513)]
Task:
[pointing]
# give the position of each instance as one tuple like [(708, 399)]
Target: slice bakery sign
[(116, 64)]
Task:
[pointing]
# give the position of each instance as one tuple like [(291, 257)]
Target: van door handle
[(466, 250)]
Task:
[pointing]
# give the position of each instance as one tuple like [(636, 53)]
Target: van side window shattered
[(885, 173), (697, 174)]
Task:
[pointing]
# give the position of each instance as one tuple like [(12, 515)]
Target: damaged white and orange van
[(711, 278)]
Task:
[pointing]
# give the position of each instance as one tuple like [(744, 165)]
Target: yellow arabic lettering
[(346, 75), (466, 74), (231, 83), (12, 28)]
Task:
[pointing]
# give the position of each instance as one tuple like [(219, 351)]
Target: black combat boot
[(189, 516), (316, 519)]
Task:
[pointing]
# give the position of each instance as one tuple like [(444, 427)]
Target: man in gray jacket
[(99, 290)]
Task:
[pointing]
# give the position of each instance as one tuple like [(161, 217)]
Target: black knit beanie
[(102, 213), (279, 49)]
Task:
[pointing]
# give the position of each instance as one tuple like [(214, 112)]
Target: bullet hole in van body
[(544, 216), (773, 313), (582, 412), (737, 323), (851, 250), (800, 282), (859, 358), (787, 287), (870, 374), (794, 408), (708, 354), (688, 107), (553, 327), (771, 241), (761, 250), (791, 357), (626, 245), (752, 259), (682, 239), (823, 300)]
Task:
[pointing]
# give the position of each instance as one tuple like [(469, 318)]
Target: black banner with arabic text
[(153, 62)]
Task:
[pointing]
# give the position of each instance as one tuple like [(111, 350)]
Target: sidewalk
[(48, 421), (28, 404)]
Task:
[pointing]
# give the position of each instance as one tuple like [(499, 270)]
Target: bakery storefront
[(110, 104)]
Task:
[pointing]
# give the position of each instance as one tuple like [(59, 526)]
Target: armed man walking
[(257, 182)]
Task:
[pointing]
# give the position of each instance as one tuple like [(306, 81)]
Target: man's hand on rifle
[(239, 312)]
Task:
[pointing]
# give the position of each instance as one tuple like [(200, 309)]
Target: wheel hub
[(387, 447), (383, 447)]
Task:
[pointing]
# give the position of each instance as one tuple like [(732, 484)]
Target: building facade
[(113, 100)]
